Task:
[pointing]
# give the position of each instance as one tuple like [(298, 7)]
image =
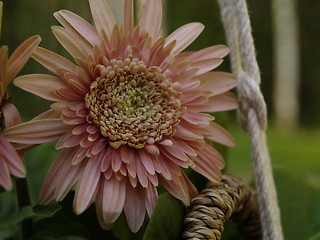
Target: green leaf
[(48, 211), (166, 222), (9, 226), (299, 202), (65, 223)]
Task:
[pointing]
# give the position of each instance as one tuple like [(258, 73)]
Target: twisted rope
[(252, 110), (233, 198)]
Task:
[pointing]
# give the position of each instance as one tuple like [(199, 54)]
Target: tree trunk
[(286, 64)]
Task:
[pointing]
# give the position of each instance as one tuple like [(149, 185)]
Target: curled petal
[(11, 115), (78, 26), (12, 158), (70, 43)]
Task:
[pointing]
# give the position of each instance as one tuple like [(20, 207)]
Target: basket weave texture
[(231, 198)]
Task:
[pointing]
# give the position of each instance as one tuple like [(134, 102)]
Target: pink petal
[(87, 184), (217, 51), (11, 115), (53, 175), (141, 173), (20, 56), (222, 102), (114, 195), (48, 114), (187, 134), (198, 119), (116, 161), (183, 147), (5, 179), (77, 25), (36, 132), (69, 94), (206, 65), (147, 161), (134, 207), (162, 168), (102, 15), (151, 18), (106, 161), (152, 149), (70, 43), (52, 61), (151, 198), (68, 176), (131, 165), (128, 15), (184, 36), (217, 82), (12, 158), (209, 163), (177, 187), (42, 85), (220, 135)]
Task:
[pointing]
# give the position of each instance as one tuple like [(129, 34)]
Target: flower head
[(10, 160), (129, 113)]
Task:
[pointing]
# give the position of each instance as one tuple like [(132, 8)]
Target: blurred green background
[(295, 152)]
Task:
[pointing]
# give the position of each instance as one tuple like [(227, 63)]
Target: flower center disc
[(133, 104)]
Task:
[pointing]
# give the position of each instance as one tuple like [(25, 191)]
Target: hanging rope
[(252, 111), (232, 197)]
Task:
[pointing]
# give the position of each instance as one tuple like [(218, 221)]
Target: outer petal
[(217, 82), (220, 135), (42, 85), (70, 43), (217, 51), (102, 15), (77, 25), (184, 36), (88, 184), (12, 158), (20, 56), (53, 175), (36, 132), (114, 195), (151, 17), (134, 207), (52, 61), (206, 65), (5, 179)]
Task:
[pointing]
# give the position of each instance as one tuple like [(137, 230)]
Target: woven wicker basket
[(231, 198)]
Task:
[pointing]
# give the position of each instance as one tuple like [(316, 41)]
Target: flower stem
[(24, 200)]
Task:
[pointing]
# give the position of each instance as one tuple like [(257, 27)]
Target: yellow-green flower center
[(133, 104)]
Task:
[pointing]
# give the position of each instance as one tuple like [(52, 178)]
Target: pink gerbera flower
[(10, 160), (129, 114)]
